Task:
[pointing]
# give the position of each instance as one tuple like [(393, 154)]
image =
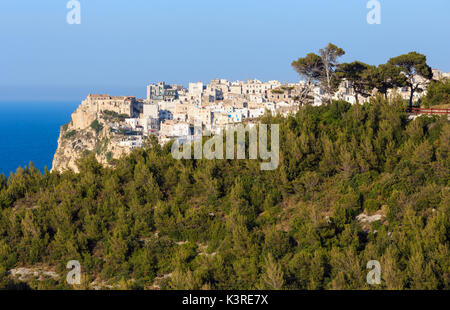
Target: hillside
[(355, 183)]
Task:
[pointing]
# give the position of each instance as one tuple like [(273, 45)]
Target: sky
[(123, 45)]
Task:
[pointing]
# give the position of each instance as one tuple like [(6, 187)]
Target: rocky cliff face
[(88, 131)]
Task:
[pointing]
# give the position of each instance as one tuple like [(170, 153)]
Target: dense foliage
[(438, 94), (292, 228)]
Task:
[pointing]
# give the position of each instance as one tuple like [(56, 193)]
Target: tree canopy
[(414, 66), (384, 77), (356, 73)]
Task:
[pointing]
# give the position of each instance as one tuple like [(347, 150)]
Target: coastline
[(29, 131)]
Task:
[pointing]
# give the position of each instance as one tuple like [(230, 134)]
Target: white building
[(131, 142), (255, 113), (151, 110), (181, 129), (196, 89), (319, 94), (238, 115), (132, 122)]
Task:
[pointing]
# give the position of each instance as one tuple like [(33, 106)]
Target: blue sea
[(29, 133)]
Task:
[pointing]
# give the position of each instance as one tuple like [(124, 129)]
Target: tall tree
[(356, 73), (329, 55), (385, 77), (414, 67), (310, 68)]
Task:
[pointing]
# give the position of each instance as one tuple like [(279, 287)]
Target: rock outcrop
[(90, 130), (37, 272)]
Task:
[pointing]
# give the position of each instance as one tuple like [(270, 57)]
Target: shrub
[(438, 93), (70, 134), (109, 156), (371, 205), (96, 126)]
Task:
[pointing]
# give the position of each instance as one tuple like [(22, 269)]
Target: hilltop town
[(112, 126)]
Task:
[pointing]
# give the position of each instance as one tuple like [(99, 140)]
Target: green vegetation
[(109, 156), (278, 91), (354, 72), (287, 87), (438, 94), (97, 126), (319, 69), (311, 69), (329, 57), (384, 77), (101, 146), (292, 228), (413, 65), (70, 134), (112, 115)]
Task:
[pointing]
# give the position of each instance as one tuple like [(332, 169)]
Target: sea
[(29, 132)]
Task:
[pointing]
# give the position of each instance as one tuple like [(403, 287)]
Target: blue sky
[(122, 45)]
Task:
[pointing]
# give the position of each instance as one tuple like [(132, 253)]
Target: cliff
[(90, 130)]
